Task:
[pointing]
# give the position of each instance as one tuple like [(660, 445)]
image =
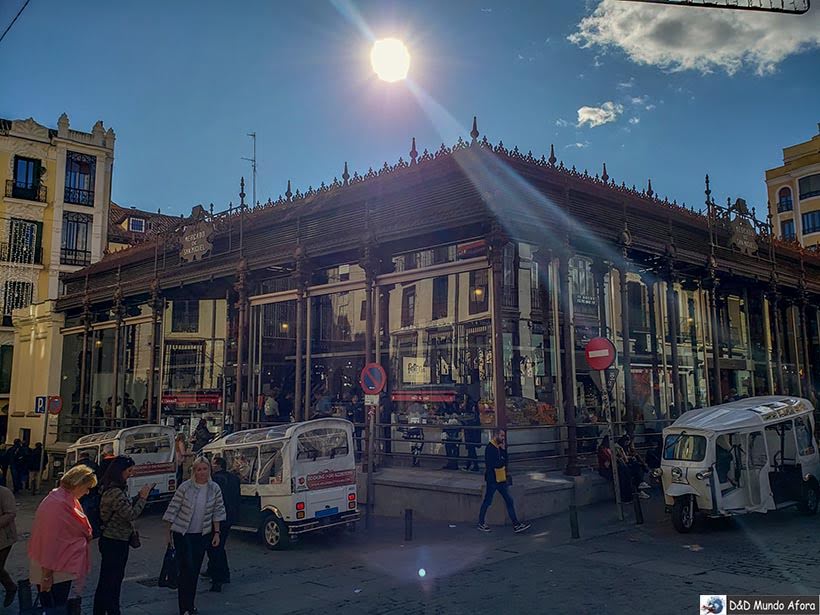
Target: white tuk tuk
[(295, 478), (752, 455), (150, 446)]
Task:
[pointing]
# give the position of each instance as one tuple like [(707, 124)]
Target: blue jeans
[(488, 499)]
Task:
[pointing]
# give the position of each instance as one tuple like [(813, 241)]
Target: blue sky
[(666, 93)]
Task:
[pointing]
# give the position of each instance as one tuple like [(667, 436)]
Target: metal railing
[(17, 190), (20, 252), (71, 256), (78, 196)]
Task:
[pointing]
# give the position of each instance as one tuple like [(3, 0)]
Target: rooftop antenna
[(252, 135)]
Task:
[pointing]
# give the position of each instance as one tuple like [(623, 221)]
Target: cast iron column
[(497, 242), (565, 342), (116, 367), (653, 340), (774, 313), (241, 334), (716, 394), (626, 352), (301, 274), (599, 272), (152, 364), (767, 334), (674, 320)]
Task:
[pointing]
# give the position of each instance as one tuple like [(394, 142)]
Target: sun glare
[(390, 59)]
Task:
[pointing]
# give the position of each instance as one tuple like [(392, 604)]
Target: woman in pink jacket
[(58, 550)]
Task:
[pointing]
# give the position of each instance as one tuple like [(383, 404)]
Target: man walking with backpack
[(497, 479)]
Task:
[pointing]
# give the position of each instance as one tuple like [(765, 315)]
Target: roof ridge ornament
[(604, 175), (474, 132), (345, 176), (413, 152), (552, 159)]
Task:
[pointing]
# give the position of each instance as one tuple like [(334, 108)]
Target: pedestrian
[(180, 453), (497, 478), (271, 407), (8, 536), (24, 455), (202, 435), (355, 414), (451, 436), (36, 465), (91, 500), (18, 465), (471, 420), (194, 517), (4, 466), (117, 512), (218, 569), (605, 470), (58, 550), (636, 467)]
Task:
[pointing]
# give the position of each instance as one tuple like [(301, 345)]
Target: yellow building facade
[(53, 220), (794, 193)]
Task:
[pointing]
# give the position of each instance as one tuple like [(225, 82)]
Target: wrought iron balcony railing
[(72, 256), (19, 190), (79, 196), (21, 253)]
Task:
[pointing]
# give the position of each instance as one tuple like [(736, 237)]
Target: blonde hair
[(200, 460), (78, 476)]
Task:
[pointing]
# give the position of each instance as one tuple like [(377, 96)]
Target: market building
[(473, 272)]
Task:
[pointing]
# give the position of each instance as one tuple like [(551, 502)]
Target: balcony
[(71, 256), (21, 253), (17, 190), (78, 196)]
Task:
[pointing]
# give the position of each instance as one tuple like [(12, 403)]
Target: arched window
[(784, 200)]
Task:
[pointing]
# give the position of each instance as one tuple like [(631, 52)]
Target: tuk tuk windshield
[(684, 447), (324, 443)]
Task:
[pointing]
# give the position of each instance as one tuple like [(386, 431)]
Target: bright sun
[(390, 59)]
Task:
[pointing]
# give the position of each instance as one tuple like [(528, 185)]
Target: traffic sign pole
[(614, 460), (372, 380)]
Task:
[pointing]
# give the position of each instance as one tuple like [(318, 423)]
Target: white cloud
[(486, 10), (650, 107), (597, 62), (578, 145), (598, 116), (678, 38), (634, 120), (639, 100), (561, 123), (624, 85)]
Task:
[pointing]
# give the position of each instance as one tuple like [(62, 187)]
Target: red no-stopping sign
[(600, 353)]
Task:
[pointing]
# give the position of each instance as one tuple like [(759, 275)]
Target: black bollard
[(636, 502), (573, 514), (408, 524)]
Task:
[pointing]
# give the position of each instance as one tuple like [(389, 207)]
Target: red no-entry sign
[(600, 353)]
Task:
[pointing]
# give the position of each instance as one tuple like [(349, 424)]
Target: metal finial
[(474, 132), (345, 177), (552, 157), (604, 175), (288, 192), (708, 190), (413, 152), (649, 191), (242, 192)]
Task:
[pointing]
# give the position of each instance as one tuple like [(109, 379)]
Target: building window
[(24, 244), (809, 186), (16, 294), (440, 297), (408, 306), (136, 225), (76, 246), (811, 222), (6, 358), (787, 230), (26, 182), (784, 200), (185, 316), (479, 292), (80, 170)]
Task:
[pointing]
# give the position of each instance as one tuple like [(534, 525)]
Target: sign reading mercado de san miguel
[(196, 239)]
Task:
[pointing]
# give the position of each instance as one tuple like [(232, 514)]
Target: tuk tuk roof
[(743, 414), (108, 436), (270, 434)]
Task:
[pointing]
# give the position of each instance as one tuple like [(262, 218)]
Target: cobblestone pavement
[(616, 567)]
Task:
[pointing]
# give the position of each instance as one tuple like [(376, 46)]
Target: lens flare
[(390, 59)]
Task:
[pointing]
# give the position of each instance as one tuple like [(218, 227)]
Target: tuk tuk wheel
[(683, 514), (275, 533), (811, 498)]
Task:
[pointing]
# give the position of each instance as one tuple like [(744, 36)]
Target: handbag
[(134, 540), (169, 573), (27, 607)]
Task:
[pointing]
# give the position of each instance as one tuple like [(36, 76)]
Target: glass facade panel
[(273, 343), (71, 424)]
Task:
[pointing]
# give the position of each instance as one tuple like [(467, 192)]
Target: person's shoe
[(644, 485), (10, 596), (521, 527), (643, 495), (216, 587), (483, 527)]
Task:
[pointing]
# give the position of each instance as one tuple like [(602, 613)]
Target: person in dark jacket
[(228, 482), (18, 464), (497, 479), (36, 465), (202, 435)]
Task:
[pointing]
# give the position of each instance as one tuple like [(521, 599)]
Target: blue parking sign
[(40, 404)]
